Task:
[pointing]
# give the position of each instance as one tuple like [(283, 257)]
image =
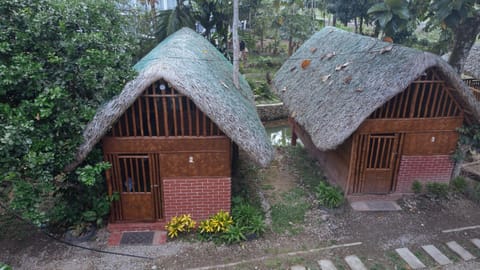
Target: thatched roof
[(196, 69), (333, 94)]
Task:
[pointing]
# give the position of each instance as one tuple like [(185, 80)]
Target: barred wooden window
[(134, 173), (162, 111), (426, 97)]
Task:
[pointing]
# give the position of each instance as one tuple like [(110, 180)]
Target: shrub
[(329, 196), (179, 224), (459, 184), (248, 218), (234, 234), (417, 187), (67, 58), (437, 190), (218, 223)]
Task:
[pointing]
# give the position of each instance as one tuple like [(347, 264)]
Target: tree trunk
[(334, 20), (236, 49), (464, 38), (361, 25), (290, 46), (356, 24)]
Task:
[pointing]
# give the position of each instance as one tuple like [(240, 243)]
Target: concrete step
[(462, 252), (326, 265), (298, 267), (410, 258), (437, 255), (355, 263), (476, 242)]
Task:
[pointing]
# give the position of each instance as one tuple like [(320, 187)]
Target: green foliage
[(5, 266), (59, 61), (180, 224), (218, 223), (459, 184), (89, 174), (417, 187), (234, 234), (469, 141), (290, 211), (437, 190), (329, 196), (247, 217)]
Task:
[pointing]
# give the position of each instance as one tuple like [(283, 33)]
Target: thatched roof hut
[(337, 79), (191, 65)]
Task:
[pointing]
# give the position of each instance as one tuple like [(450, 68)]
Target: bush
[(180, 224), (218, 223), (437, 190), (329, 196), (59, 61), (459, 184), (247, 218), (5, 266), (417, 187)]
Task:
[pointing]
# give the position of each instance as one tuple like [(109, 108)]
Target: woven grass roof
[(196, 69), (336, 79), (472, 64)]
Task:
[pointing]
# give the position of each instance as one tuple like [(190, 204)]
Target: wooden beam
[(410, 125)]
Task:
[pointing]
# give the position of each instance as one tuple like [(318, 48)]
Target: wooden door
[(377, 163), (136, 179)]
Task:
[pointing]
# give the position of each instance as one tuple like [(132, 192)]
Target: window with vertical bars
[(134, 172), (162, 111), (426, 97)]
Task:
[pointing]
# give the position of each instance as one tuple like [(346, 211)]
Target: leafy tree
[(59, 61), (462, 17), (394, 18)]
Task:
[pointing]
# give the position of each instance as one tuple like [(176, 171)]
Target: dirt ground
[(420, 222)]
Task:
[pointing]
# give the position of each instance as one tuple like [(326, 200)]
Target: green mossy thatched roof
[(348, 77), (195, 68)]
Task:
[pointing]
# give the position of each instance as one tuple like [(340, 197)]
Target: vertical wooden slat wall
[(163, 112), (426, 97)]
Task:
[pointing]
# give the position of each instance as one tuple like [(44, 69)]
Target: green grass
[(289, 211), (396, 261), (306, 167)]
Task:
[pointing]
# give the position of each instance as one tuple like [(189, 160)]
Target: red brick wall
[(424, 169), (199, 197)]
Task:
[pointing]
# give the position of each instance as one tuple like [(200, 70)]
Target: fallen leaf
[(313, 50), (292, 69), (386, 49), (340, 67), (284, 89), (388, 39), (224, 84), (348, 79), (359, 90), (306, 63), (328, 56), (294, 114), (37, 117), (325, 78)]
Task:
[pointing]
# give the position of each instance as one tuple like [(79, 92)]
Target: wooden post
[(236, 50)]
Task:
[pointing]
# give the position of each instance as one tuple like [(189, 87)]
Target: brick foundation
[(200, 198), (424, 169)]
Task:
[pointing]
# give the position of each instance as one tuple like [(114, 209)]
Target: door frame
[(358, 166), (115, 184)]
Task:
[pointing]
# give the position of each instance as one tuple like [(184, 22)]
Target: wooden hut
[(169, 134), (376, 115)]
